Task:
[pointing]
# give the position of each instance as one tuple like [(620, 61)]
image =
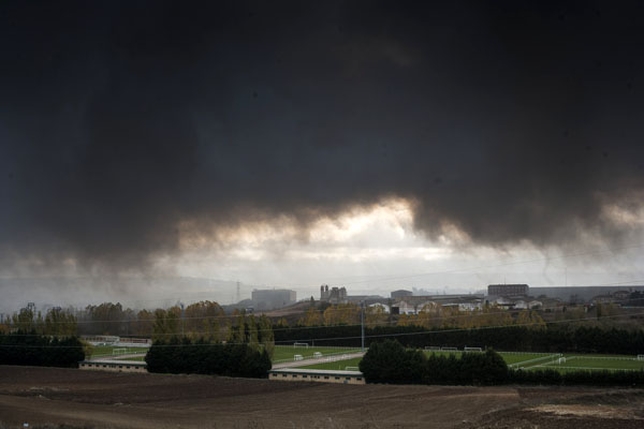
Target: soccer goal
[(119, 351), (640, 357), (301, 345)]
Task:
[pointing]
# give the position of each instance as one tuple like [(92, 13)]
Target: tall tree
[(312, 317), (60, 322), (266, 335), (166, 323)]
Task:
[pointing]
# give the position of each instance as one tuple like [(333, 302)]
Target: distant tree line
[(577, 378), (56, 322), (208, 319), (200, 319), (31, 349), (203, 319)]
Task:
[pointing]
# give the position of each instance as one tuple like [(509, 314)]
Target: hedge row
[(390, 362), (187, 357), (31, 349), (576, 378), (562, 338)]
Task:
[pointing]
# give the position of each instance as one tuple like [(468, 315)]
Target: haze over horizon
[(289, 144)]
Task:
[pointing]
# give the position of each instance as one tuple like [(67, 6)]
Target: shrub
[(185, 357), (473, 368), (31, 349), (390, 362)]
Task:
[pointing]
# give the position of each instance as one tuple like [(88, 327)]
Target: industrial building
[(508, 290), (334, 295), (401, 293), (585, 294)]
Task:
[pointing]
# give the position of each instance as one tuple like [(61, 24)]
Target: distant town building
[(334, 295), (378, 306), (508, 290), (401, 293), (405, 307), (585, 294), (271, 299)]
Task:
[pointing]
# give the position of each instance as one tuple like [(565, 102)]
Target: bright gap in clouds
[(366, 240), (375, 249)]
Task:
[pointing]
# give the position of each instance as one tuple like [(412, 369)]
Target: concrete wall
[(113, 366), (338, 377)]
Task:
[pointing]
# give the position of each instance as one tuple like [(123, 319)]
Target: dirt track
[(87, 399)]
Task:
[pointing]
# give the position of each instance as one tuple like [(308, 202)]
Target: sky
[(376, 145)]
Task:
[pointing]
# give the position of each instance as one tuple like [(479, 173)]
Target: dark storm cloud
[(120, 120)]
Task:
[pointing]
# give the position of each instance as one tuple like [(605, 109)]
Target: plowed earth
[(70, 398)]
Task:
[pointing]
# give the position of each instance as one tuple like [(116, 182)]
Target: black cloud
[(119, 120)]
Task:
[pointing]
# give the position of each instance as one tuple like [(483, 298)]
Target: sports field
[(570, 362), (114, 351), (341, 365), (515, 360), (564, 362), (289, 353)]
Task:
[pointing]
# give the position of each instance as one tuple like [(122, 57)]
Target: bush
[(182, 356), (475, 368), (390, 362), (577, 378), (31, 349)]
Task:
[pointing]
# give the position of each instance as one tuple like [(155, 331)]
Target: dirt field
[(53, 398)]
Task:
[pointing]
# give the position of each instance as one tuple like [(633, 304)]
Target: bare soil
[(70, 398)]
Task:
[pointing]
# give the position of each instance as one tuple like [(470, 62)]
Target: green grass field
[(280, 353), (112, 351), (573, 362), (556, 361), (529, 361), (597, 363), (428, 353), (287, 353), (337, 365), (136, 359)]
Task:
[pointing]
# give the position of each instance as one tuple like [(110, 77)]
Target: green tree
[(59, 322), (25, 320), (342, 314), (312, 317), (166, 323), (389, 362), (144, 325), (376, 316), (266, 335), (202, 319), (530, 319)]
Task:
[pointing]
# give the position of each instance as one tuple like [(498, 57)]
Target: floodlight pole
[(183, 314), (362, 324)]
